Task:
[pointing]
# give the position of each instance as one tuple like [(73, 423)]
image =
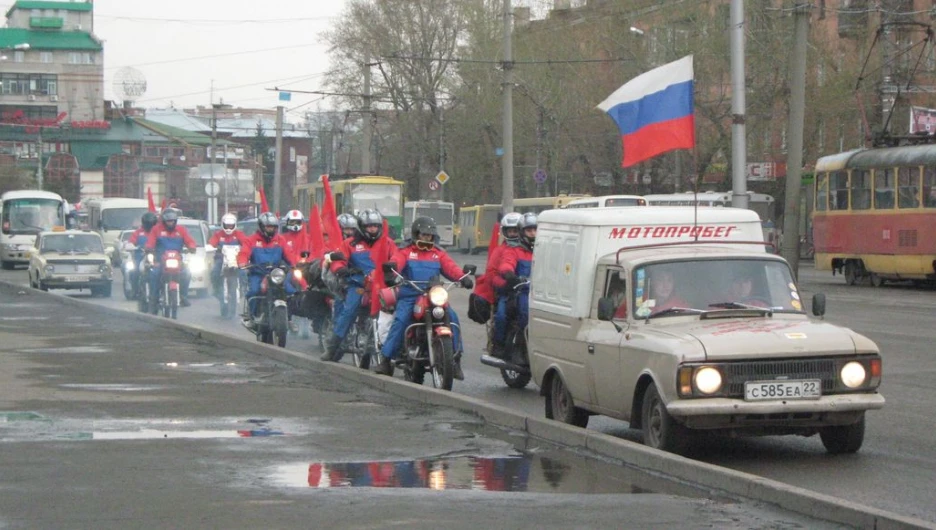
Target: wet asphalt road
[(894, 471), (115, 424)]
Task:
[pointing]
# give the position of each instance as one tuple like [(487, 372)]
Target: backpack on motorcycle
[(334, 284), (479, 309), (315, 304), (313, 274)]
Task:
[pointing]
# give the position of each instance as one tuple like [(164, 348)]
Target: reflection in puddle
[(153, 434), (72, 349), (24, 318), (112, 387), (523, 473)]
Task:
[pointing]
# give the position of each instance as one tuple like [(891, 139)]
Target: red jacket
[(297, 242), (515, 259), (137, 234), (259, 251), (484, 286), (421, 265), (219, 239), (161, 239)]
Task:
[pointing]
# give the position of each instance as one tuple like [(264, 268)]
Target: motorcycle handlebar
[(415, 283)]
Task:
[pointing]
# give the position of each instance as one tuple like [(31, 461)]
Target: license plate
[(764, 390), (75, 279)]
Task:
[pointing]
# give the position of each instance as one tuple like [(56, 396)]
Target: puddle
[(30, 426), (153, 434), (72, 349), (11, 416), (23, 318), (113, 387), (210, 368), (521, 473)]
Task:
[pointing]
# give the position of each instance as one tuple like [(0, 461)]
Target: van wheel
[(851, 273), (876, 281), (660, 430), (842, 439), (561, 407)]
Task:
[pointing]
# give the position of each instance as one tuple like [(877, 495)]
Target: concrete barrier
[(718, 479)]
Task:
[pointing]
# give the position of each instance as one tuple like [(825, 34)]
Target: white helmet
[(294, 220), (228, 223)]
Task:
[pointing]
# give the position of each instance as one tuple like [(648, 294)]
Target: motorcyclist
[(348, 224), (419, 261), (355, 260), (227, 235), (514, 267), (168, 235), (138, 240), (294, 235), (265, 248)]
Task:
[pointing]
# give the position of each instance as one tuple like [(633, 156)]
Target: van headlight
[(128, 265), (49, 269), (196, 266), (853, 374), (708, 380), (277, 276), (697, 381), (438, 295)]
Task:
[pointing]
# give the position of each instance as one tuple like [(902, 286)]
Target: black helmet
[(170, 216), (424, 225), (367, 218), (149, 220), (528, 221), (268, 225)]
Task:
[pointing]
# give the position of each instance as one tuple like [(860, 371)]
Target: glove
[(510, 277), (389, 267), (342, 272), (467, 282), (337, 256)]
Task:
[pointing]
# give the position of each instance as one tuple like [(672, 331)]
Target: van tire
[(843, 439), (660, 430), (561, 407)]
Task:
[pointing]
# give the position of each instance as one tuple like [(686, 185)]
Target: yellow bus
[(540, 204), (474, 226), (353, 194)]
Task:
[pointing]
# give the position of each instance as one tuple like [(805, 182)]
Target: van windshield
[(31, 216), (713, 284), (122, 218)]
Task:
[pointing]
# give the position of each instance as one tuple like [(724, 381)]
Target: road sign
[(212, 189), (442, 177), (540, 176), (434, 185)]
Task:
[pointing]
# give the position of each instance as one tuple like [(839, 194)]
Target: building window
[(11, 113), (80, 58), (24, 84), (45, 57), (19, 57), (35, 13)]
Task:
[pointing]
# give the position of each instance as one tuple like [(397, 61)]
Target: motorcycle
[(428, 343), (230, 291), (130, 284), (515, 366), (168, 299), (271, 322)]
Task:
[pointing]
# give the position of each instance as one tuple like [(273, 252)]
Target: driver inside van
[(663, 290), (618, 294), (741, 290)]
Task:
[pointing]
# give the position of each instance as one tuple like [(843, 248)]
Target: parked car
[(70, 259), (119, 253), (200, 262), (248, 226)]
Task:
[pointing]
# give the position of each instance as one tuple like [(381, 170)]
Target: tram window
[(908, 187), (929, 187), (838, 191), (883, 189), (860, 189), (822, 192)]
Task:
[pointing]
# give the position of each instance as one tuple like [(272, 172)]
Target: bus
[(608, 201), (474, 226), (874, 216), (443, 213), (541, 204), (353, 194), (112, 215), (761, 203), (23, 215)]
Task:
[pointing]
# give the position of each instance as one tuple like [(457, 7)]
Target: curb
[(707, 476)]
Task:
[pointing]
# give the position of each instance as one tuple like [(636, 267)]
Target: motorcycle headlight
[(438, 295), (297, 274), (438, 313), (128, 265), (104, 268), (853, 374), (49, 269), (277, 276), (172, 263)]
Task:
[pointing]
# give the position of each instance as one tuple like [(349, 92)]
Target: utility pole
[(442, 147), (739, 197), (39, 175), (212, 201), (277, 159), (539, 145), (366, 148), (507, 158), (791, 211)]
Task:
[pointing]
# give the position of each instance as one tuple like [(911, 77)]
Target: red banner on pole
[(316, 238), (151, 204), (381, 249), (330, 217), (264, 207)]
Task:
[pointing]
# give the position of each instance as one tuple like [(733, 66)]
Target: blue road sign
[(540, 176), (285, 96)]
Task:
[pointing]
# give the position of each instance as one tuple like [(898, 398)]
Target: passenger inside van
[(617, 292)]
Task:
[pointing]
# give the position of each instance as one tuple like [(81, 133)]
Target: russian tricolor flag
[(654, 111)]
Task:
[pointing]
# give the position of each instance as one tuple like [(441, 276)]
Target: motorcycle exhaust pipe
[(504, 365)]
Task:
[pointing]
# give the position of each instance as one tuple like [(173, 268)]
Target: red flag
[(330, 217), (316, 240), (264, 207), (484, 287), (381, 249), (163, 205), (492, 244), (149, 197)]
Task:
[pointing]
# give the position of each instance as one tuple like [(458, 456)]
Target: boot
[(497, 350), (332, 353), (459, 374), (184, 301), (384, 368)]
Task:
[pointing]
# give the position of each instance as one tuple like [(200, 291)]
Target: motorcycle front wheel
[(172, 311), (280, 327), (359, 354), (443, 371), (515, 379)]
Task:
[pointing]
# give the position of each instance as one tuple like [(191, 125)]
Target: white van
[(677, 319), (23, 215), (608, 201), (112, 215)]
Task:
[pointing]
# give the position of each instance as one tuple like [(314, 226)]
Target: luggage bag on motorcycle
[(315, 304), (479, 309)]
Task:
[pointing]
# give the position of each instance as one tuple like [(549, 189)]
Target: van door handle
[(591, 349)]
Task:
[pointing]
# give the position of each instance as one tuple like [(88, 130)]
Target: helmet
[(511, 220), (424, 225), (294, 221), (228, 223), (169, 217), (149, 220), (268, 225), (528, 221), (367, 218), (347, 222)]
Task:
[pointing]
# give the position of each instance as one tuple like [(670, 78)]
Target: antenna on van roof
[(695, 195)]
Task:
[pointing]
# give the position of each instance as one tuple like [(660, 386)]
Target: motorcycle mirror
[(210, 248), (470, 269)]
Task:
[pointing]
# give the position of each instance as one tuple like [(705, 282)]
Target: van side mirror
[(605, 309), (6, 227), (818, 304), (470, 269)]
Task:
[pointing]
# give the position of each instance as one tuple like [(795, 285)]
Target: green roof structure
[(48, 40), (177, 135), (68, 6)]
